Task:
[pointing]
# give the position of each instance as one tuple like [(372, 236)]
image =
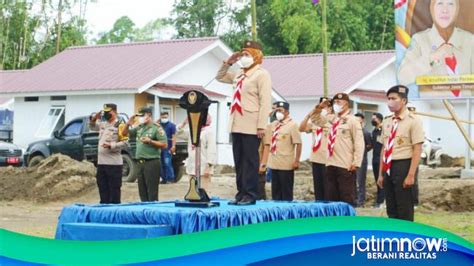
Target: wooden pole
[(450, 109)]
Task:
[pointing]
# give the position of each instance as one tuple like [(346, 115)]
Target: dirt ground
[(31, 199)]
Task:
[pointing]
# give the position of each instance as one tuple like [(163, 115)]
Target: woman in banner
[(442, 50)]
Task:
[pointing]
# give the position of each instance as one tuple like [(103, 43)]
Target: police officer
[(345, 149), (248, 116), (151, 138), (402, 137), (109, 157), (283, 150), (319, 151)]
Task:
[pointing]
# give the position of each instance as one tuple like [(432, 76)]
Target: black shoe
[(246, 202), (233, 202)]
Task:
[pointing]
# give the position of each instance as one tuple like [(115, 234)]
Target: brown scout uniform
[(256, 96), (282, 161), (318, 161), (400, 201), (348, 151)]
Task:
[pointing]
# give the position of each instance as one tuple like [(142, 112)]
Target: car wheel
[(35, 160), (129, 169)]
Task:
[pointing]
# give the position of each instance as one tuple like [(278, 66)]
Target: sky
[(102, 14)]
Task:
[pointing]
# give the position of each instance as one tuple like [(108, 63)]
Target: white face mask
[(337, 108), (279, 116), (324, 112), (141, 120), (164, 121), (246, 61)]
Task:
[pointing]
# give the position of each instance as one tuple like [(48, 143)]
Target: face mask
[(394, 106), (141, 120), (164, 121), (107, 116), (280, 116), (337, 108), (324, 112), (374, 123), (246, 61)]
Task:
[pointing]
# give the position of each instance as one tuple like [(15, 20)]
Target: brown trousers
[(340, 185)]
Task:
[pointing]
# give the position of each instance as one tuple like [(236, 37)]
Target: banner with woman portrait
[(435, 47)]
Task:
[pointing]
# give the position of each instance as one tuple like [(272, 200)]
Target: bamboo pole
[(450, 109), (325, 49), (253, 6), (442, 117)]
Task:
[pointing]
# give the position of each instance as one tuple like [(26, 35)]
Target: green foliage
[(123, 30)]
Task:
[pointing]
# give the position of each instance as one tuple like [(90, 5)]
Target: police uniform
[(281, 162), (148, 158), (400, 201), (109, 160), (348, 151), (255, 102)]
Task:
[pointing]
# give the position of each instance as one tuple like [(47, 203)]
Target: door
[(69, 140)]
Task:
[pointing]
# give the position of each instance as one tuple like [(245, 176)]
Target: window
[(53, 120), (31, 99), (73, 129), (58, 98)]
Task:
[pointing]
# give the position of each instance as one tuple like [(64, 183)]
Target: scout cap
[(400, 90), (341, 96), (285, 105), (110, 107), (251, 44)]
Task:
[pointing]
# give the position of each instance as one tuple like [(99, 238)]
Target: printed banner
[(435, 47)]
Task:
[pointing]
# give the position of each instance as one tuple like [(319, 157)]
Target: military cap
[(252, 44), (144, 110), (341, 96), (400, 89), (110, 107), (285, 105)]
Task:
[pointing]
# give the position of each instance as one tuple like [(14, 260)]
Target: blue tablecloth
[(188, 220)]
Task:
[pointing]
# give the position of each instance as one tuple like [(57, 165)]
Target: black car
[(10, 154), (79, 142)]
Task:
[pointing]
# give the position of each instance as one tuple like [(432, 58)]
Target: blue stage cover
[(101, 231), (188, 220)]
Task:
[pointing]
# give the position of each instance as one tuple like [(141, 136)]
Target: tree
[(198, 18), (123, 30), (28, 29), (153, 30)]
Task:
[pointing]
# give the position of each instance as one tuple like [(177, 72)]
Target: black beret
[(400, 89)]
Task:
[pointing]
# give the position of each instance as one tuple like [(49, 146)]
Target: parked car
[(79, 142), (10, 154)]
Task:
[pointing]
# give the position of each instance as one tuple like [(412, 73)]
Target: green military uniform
[(148, 160)]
